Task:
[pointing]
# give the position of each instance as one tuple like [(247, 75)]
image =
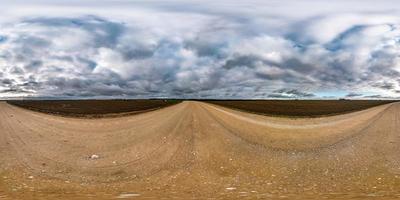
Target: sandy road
[(198, 150)]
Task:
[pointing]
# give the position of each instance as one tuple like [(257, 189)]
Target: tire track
[(287, 136), (193, 150)]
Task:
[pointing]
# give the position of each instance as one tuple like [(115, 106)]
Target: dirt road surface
[(195, 150)]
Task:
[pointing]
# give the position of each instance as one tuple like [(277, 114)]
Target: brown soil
[(300, 108), (197, 150), (92, 108)]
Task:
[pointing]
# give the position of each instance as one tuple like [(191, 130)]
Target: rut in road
[(197, 148)]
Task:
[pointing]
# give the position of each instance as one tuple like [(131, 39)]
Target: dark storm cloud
[(290, 93), (378, 96), (241, 61), (384, 85), (7, 81), (130, 54), (210, 45), (353, 94), (15, 90)]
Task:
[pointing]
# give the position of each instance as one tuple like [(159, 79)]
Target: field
[(92, 108), (299, 108), (285, 108), (197, 150)]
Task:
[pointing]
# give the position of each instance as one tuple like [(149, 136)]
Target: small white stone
[(94, 156), (125, 196), (30, 177), (231, 188)]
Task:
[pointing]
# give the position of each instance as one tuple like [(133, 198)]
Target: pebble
[(94, 156), (231, 188), (127, 195), (30, 177)]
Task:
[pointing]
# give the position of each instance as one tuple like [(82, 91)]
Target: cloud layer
[(192, 50)]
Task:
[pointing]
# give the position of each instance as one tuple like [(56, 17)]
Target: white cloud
[(190, 49)]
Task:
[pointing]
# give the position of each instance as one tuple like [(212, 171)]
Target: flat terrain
[(195, 150), (299, 108), (92, 108)]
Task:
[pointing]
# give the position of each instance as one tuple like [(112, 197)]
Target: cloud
[(186, 49), (16, 90), (378, 96), (290, 93), (384, 85), (353, 94)]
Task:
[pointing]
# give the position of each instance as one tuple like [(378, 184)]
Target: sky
[(253, 49)]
